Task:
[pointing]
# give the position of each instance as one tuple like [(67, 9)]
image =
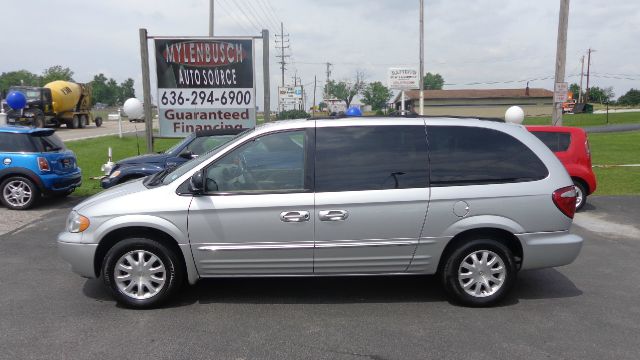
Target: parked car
[(571, 146), (35, 162), (192, 146), (349, 198)]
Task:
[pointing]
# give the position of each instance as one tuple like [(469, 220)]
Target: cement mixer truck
[(58, 102)]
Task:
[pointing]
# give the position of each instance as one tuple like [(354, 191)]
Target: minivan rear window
[(358, 158), (556, 141), (461, 155)]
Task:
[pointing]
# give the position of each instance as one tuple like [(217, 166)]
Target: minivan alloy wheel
[(481, 273), (139, 274)]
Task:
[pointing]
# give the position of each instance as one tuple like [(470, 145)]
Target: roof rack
[(407, 115)]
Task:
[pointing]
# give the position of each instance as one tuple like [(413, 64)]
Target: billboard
[(403, 78), (205, 83)]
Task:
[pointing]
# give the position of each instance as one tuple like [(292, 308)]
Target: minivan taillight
[(565, 200), (43, 164)]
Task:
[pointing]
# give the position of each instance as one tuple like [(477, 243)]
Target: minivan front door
[(371, 197), (256, 215)]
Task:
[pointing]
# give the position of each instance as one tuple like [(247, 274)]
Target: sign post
[(403, 79)]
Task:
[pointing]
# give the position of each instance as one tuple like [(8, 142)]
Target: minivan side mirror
[(196, 183)]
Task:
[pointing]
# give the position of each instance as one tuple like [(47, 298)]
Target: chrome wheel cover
[(17, 193), (139, 274), (579, 197), (482, 273)]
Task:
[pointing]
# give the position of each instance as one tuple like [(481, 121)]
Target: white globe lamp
[(133, 109), (514, 115)]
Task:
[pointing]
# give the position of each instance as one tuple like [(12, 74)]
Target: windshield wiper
[(157, 178)]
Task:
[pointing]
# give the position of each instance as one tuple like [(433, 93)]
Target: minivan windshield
[(170, 175)]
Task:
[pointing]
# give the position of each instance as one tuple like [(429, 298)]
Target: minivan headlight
[(77, 223)]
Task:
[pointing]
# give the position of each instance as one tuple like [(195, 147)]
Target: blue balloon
[(17, 100), (353, 111)]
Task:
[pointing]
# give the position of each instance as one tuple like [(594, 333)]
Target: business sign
[(403, 78), (289, 96), (560, 92), (205, 83)]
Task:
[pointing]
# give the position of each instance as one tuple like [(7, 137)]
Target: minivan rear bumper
[(549, 249)]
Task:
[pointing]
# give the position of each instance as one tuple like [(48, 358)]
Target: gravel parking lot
[(587, 310)]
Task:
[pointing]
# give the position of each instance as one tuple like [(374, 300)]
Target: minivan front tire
[(141, 273), (479, 273)]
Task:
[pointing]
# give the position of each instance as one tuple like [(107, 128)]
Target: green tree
[(632, 97), (17, 78), (56, 72), (114, 93), (575, 89), (126, 90), (377, 95), (106, 91), (346, 90), (433, 81), (600, 95)]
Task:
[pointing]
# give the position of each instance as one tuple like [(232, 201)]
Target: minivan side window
[(273, 162), (370, 158), (461, 155), (556, 141)]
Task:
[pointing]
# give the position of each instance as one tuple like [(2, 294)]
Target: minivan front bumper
[(549, 249), (79, 255)]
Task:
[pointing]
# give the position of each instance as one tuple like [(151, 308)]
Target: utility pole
[(284, 44), (581, 76), (561, 56), (421, 57), (586, 93), (315, 83), (326, 85), (265, 70), (211, 18)]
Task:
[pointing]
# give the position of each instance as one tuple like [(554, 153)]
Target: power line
[(255, 26), (258, 17), (234, 17), (267, 15)]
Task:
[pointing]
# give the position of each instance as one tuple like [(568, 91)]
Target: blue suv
[(35, 162), (190, 147)]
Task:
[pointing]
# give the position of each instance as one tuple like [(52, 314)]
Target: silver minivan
[(470, 200)]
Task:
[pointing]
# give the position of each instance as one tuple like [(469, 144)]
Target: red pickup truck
[(571, 146)]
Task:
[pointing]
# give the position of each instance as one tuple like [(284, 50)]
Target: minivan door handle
[(294, 216), (333, 215)]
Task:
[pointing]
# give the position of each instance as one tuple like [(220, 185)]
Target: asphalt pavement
[(586, 310)]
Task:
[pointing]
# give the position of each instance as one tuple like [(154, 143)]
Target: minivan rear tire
[(499, 259), (145, 249)]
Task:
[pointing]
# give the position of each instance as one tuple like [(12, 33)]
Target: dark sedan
[(193, 145)]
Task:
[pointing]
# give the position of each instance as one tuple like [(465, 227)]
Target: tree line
[(375, 93), (106, 91)]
